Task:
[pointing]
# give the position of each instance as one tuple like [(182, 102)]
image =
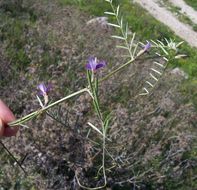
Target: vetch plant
[(43, 91), (147, 46), (133, 51), (94, 64)]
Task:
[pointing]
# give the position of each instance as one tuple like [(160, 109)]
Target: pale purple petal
[(48, 88), (90, 66), (101, 64), (44, 89), (94, 64), (147, 46)]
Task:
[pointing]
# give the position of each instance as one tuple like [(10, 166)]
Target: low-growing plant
[(134, 50)]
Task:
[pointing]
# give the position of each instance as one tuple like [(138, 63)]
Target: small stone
[(102, 21), (179, 73)]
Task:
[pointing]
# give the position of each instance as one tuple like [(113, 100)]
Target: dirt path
[(186, 9), (165, 16)]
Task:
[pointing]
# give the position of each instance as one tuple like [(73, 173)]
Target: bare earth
[(186, 9), (183, 30)]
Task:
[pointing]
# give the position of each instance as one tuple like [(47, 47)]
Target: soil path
[(165, 16), (186, 9)]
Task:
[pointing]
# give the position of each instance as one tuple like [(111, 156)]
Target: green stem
[(117, 70), (31, 115), (34, 114)]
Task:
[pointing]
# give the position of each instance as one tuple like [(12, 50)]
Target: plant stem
[(116, 70), (31, 115)]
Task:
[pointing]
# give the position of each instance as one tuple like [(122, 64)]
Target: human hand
[(6, 116)]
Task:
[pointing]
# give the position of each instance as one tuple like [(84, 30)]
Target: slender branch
[(38, 112), (12, 156), (124, 33), (116, 70)]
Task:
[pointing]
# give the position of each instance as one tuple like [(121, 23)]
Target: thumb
[(6, 116)]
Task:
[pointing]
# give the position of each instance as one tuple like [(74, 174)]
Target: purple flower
[(147, 46), (44, 89), (94, 64)]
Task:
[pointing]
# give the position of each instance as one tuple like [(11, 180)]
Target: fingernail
[(1, 127), (1, 123)]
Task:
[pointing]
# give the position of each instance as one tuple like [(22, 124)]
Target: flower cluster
[(147, 46), (44, 89), (94, 64)]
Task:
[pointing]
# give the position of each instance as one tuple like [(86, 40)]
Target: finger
[(10, 131), (5, 113), (7, 116), (1, 128)]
